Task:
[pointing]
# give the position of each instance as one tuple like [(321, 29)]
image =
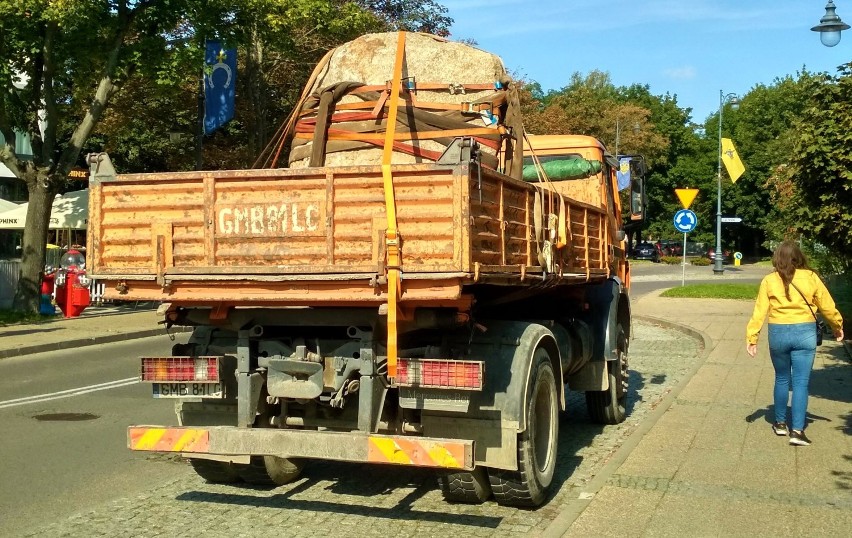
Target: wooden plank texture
[(160, 227)]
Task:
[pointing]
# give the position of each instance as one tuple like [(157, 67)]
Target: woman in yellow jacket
[(789, 295)]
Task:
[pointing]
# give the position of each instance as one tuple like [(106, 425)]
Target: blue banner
[(622, 175), (220, 81)]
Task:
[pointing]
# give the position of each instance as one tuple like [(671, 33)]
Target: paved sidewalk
[(97, 325), (709, 463)]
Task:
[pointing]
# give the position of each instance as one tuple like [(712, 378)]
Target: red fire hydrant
[(72, 285)]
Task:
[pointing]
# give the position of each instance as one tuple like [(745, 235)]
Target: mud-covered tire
[(216, 472), (537, 444), (609, 406), (465, 487), (270, 471)]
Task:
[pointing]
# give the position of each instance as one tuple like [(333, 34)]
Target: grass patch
[(9, 317), (714, 291)]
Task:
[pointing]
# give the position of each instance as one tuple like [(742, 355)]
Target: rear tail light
[(440, 374), (172, 369)]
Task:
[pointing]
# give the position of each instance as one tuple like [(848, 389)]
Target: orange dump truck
[(399, 294)]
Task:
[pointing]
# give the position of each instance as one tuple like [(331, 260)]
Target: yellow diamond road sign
[(686, 196)]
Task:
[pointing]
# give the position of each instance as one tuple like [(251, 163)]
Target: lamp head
[(830, 26), (729, 99)]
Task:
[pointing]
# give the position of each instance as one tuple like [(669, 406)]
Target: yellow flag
[(732, 161)]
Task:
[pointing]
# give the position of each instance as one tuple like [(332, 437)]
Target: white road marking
[(69, 393)]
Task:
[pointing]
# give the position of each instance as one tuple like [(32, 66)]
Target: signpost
[(684, 222), (732, 219), (738, 256)]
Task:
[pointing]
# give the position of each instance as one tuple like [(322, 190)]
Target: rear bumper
[(337, 446)]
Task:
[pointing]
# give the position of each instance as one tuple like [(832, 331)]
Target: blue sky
[(688, 48)]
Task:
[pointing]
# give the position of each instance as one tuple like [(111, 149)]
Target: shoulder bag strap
[(803, 297)]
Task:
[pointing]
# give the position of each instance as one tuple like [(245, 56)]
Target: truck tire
[(537, 444), (270, 471), (216, 472), (608, 406), (464, 487)]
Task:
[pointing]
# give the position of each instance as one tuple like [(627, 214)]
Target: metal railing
[(9, 272)]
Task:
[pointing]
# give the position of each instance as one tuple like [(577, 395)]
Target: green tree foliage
[(423, 16), (63, 64), (820, 166), (762, 129), (278, 44)]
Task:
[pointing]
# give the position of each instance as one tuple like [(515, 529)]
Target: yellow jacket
[(772, 299)]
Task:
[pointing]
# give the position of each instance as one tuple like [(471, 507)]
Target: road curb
[(695, 333), (91, 341), (574, 507)]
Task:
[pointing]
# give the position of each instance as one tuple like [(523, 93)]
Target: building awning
[(69, 211)]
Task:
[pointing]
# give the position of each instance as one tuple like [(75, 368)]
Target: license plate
[(188, 390)]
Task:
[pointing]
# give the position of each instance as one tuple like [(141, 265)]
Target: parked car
[(695, 249), (646, 251), (669, 247), (727, 255)]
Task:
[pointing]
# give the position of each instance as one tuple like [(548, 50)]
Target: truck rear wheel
[(537, 444), (464, 487), (217, 472), (271, 471), (608, 406)]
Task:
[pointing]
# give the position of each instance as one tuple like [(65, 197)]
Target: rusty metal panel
[(305, 221), (270, 222), (286, 235), (425, 216), (123, 219), (500, 224)]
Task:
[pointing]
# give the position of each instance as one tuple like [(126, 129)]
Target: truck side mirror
[(637, 198)]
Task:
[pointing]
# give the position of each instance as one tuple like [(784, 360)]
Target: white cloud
[(685, 72)]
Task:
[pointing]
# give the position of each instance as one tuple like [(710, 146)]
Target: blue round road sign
[(685, 221)]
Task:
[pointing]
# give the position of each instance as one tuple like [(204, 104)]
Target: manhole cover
[(66, 417)]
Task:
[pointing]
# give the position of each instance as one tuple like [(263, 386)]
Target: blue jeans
[(792, 348)]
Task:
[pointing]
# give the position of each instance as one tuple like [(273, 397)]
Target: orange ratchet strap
[(392, 239)]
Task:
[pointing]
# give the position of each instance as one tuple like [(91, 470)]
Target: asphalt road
[(63, 452), (648, 277)]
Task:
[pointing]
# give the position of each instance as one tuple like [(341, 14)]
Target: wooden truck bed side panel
[(290, 221), (196, 236)]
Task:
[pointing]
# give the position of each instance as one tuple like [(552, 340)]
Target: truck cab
[(595, 183)]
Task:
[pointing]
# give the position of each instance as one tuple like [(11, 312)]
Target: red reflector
[(442, 374), (169, 369)]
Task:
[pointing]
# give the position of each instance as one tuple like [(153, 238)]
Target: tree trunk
[(33, 250), (258, 133)]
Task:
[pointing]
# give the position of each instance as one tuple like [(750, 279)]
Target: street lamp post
[(830, 26), (618, 126), (717, 264)]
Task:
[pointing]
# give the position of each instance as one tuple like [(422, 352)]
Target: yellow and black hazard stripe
[(418, 452), (168, 439)]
